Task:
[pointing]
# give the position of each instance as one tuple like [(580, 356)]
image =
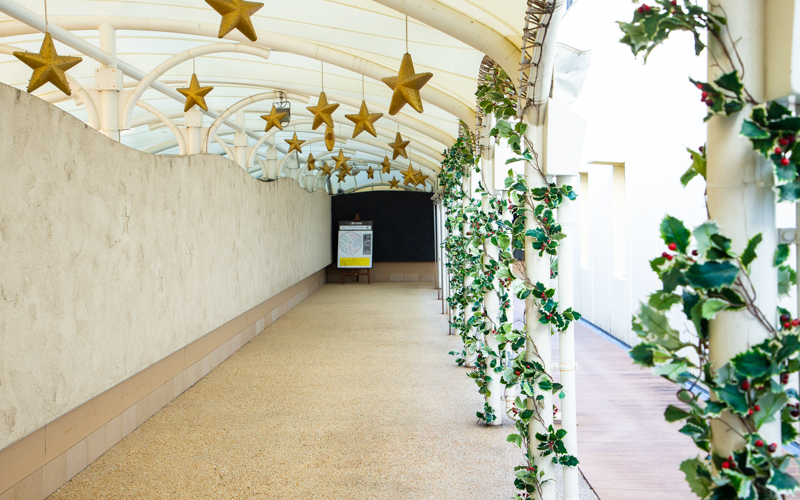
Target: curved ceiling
[(359, 41)]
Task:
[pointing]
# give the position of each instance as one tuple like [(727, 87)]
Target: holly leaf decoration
[(673, 231), (749, 253), (698, 477), (712, 275)]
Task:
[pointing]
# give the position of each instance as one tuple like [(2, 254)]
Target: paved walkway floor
[(351, 395)]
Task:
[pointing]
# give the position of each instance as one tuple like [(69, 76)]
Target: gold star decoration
[(370, 172), (274, 119), (311, 163), (322, 112), (295, 144), (195, 94), (236, 15), (341, 160), (326, 170), (364, 120), (410, 175), (48, 66), (405, 86), (387, 165), (420, 179), (346, 169), (341, 176), (393, 183), (399, 147), (330, 138)]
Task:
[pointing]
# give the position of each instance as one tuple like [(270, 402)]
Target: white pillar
[(240, 141), (566, 346), (272, 164), (193, 121), (741, 200), (108, 81), (537, 269)]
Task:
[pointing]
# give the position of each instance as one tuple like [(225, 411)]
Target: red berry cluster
[(787, 323), (643, 9), (782, 149)]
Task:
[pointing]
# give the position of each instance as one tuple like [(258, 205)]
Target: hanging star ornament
[(410, 175), (399, 147), (341, 160), (195, 94), (386, 164), (341, 176), (393, 183), (322, 112), (236, 15), (311, 163), (364, 120), (405, 86), (330, 138), (295, 144), (420, 179), (48, 66), (370, 172), (326, 170), (346, 169), (274, 119)]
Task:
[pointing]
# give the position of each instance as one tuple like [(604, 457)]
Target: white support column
[(566, 345), (511, 393), (491, 300), (193, 121), (539, 348), (240, 141), (272, 164), (741, 200), (108, 81)]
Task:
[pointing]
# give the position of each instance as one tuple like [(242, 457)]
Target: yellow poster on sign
[(354, 262)]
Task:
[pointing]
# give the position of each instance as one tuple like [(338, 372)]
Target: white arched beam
[(430, 93), (463, 28), (169, 123), (177, 59)]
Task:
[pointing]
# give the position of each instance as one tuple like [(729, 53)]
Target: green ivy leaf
[(749, 253), (751, 364), (674, 414), (752, 131), (712, 274), (673, 231), (781, 482), (659, 328), (515, 438), (730, 82), (781, 254), (712, 307), (698, 477)]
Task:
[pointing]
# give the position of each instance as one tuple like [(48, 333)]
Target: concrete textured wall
[(111, 259)]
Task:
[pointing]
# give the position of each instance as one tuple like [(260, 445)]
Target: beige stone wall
[(112, 259)]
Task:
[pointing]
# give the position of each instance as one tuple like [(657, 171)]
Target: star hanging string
[(386, 164), (393, 183), (236, 15), (322, 112), (274, 119), (405, 86), (48, 66), (364, 120), (399, 147), (195, 94), (295, 144), (370, 172), (311, 163), (409, 175)]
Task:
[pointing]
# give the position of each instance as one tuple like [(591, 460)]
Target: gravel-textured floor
[(351, 395)]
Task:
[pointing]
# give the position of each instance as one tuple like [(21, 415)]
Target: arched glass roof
[(355, 43)]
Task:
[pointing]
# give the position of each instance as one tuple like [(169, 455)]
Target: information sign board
[(354, 245)]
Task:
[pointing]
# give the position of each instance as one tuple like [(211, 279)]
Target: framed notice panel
[(355, 244)]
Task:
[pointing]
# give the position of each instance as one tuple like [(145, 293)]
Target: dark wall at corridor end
[(403, 223)]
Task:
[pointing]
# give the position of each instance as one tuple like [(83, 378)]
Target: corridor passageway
[(350, 395)]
